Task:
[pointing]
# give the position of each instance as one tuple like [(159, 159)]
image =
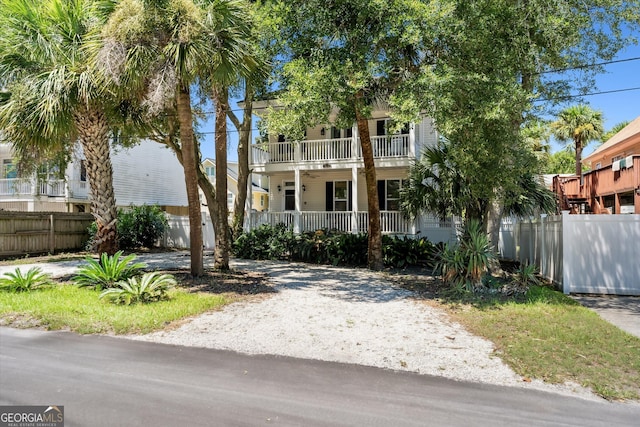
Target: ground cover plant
[(17, 281)]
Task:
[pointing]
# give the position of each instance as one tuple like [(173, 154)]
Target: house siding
[(148, 173)]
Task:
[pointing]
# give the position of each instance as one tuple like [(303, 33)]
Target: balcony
[(330, 150), (14, 187)]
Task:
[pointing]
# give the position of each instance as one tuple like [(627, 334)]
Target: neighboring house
[(147, 173), (319, 182), (613, 183), (257, 195)]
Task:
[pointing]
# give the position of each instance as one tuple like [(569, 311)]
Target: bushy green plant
[(265, 242), (525, 277), (138, 226), (106, 273), (400, 252), (148, 288), (141, 226), (463, 265), (16, 281)]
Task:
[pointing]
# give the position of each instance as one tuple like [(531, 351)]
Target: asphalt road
[(105, 381)]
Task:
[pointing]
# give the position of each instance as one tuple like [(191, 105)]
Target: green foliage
[(526, 275), (326, 247), (561, 162), (264, 242), (400, 252), (138, 226), (141, 226), (148, 288), (108, 272), (33, 279), (463, 266)]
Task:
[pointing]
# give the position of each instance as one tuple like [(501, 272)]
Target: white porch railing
[(15, 187), (386, 146), (391, 222), (79, 189), (52, 188)]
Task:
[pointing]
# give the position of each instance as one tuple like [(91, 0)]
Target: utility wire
[(581, 67), (558, 98)]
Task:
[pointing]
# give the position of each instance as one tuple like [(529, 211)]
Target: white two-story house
[(147, 173), (319, 182)]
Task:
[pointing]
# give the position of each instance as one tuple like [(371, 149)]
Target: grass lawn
[(548, 336), (65, 306)]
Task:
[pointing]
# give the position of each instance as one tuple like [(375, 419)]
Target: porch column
[(298, 197), (412, 140), (355, 143), (248, 203), (354, 199), (616, 202)]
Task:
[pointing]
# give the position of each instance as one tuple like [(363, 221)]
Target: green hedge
[(324, 247)]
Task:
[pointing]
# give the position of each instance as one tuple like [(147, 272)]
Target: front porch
[(391, 222)]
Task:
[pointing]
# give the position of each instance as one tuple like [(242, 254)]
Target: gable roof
[(627, 132)]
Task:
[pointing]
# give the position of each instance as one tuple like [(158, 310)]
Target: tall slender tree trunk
[(374, 253), (578, 157), (244, 133), (93, 134), (190, 165), (221, 257)]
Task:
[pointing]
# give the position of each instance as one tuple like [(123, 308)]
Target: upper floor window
[(616, 158), (210, 171), (9, 170)]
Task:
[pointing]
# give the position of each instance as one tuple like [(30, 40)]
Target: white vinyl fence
[(597, 254)]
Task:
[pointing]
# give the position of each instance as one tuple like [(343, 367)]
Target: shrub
[(265, 242), (402, 252), (34, 278), (139, 226), (462, 266), (148, 288), (106, 273)]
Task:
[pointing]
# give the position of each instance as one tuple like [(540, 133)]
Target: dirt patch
[(224, 282)]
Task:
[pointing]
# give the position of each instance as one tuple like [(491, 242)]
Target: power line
[(558, 98), (580, 67)]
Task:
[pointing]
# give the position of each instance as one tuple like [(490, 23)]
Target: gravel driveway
[(351, 316)]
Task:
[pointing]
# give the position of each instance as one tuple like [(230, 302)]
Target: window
[(616, 158), (262, 200), (289, 196), (210, 170), (598, 165), (389, 194), (83, 171), (340, 196), (9, 170), (382, 128)]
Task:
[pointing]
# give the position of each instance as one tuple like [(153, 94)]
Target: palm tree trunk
[(578, 157), (374, 253), (93, 134), (244, 133), (190, 165), (221, 256)]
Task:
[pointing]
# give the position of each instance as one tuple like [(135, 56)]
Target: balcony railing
[(49, 188), (15, 187), (326, 150)]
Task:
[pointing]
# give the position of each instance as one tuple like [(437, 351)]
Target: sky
[(622, 103)]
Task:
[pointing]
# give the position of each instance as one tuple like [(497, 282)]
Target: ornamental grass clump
[(16, 281), (108, 272), (463, 266), (150, 287)]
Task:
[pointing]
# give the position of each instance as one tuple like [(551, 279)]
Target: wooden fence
[(23, 233)]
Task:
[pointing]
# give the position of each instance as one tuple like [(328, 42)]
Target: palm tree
[(615, 129), (581, 125), (231, 31), (55, 97), (161, 49)]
